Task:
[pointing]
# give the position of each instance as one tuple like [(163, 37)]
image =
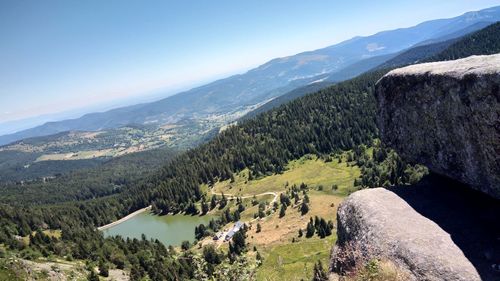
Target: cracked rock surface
[(446, 115)]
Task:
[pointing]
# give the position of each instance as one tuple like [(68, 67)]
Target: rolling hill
[(484, 41), (239, 92), (313, 150)]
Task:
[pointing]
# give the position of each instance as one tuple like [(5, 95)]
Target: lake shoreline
[(124, 219)]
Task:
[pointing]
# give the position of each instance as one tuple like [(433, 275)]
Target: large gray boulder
[(445, 115), (376, 223)]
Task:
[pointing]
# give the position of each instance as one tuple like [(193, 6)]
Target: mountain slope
[(469, 29), (483, 42), (423, 52), (417, 54), (265, 82), (333, 119)]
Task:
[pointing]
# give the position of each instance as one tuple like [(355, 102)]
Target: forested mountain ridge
[(483, 39), (322, 123), (335, 119), (44, 157), (483, 42), (52, 156), (267, 81), (108, 177)]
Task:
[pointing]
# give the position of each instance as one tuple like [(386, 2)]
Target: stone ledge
[(376, 223)]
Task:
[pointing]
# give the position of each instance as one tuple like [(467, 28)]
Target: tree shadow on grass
[(470, 217)]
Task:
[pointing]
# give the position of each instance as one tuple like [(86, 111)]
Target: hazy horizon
[(35, 85)]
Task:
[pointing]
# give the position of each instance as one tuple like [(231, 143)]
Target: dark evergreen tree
[(204, 207), (103, 268), (92, 276), (319, 274), (238, 244), (282, 211), (310, 229), (213, 202), (211, 256), (304, 208), (185, 245)]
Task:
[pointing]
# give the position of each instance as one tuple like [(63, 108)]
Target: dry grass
[(378, 270), (294, 261), (284, 259), (288, 260), (77, 155), (281, 230), (310, 170)]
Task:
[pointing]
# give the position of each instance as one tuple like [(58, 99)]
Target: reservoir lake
[(169, 229)]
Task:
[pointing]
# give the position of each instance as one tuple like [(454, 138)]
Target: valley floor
[(286, 256)]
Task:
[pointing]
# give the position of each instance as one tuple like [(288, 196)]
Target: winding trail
[(231, 196)]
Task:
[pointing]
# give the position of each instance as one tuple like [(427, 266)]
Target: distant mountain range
[(274, 78), (484, 41)]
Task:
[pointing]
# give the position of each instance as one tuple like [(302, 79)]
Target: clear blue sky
[(59, 55)]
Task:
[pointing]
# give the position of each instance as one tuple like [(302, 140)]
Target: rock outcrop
[(376, 223), (446, 115)]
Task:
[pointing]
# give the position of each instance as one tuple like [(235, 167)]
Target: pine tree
[(213, 202), (204, 207), (258, 257), (227, 215), (135, 273), (238, 244), (282, 211), (319, 274), (310, 229), (241, 207), (304, 208), (92, 276), (185, 245), (210, 255), (192, 209), (103, 268), (223, 201), (262, 207), (236, 216)]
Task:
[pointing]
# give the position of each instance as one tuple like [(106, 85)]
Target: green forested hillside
[(338, 118), (55, 155), (480, 42), (25, 168), (294, 94), (483, 42), (413, 55), (110, 177), (334, 119)]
